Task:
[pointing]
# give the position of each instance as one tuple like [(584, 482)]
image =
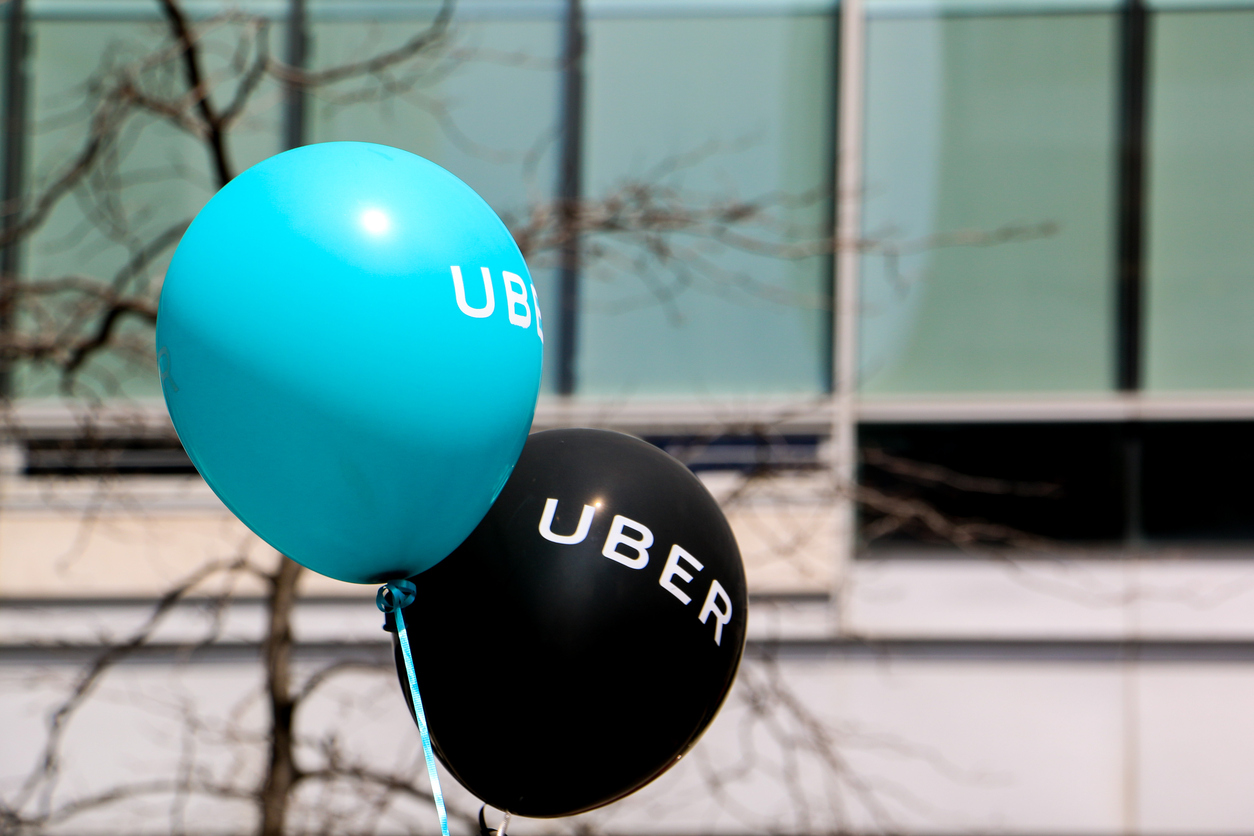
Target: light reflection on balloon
[(375, 221)]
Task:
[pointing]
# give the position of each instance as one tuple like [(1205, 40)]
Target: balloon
[(583, 637), (350, 350)]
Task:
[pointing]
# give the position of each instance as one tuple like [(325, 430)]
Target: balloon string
[(398, 600)]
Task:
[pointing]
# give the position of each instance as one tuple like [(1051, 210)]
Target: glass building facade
[(1052, 195)]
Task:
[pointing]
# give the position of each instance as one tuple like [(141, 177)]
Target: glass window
[(482, 103), (4, 89), (115, 230), (988, 189), (997, 484), (689, 121), (1189, 492), (1001, 483), (1200, 282)]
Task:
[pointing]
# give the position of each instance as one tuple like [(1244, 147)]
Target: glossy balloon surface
[(351, 400), (557, 679)]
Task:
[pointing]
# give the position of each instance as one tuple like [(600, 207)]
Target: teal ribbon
[(392, 598)]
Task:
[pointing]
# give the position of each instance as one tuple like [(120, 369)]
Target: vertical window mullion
[(1133, 57), (850, 120), (1130, 223), (294, 94), (569, 193), (14, 160)]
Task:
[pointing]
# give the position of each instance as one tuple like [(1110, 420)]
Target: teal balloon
[(350, 348)]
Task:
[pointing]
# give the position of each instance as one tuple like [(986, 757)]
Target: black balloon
[(556, 678)]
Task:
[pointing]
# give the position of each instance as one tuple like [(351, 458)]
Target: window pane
[(4, 89), (687, 118), (1200, 287), (483, 104), (1192, 493), (1061, 482), (995, 483), (114, 231), (988, 204)]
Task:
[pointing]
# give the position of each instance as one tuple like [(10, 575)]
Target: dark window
[(1060, 482), (1197, 481), (104, 457), (745, 453)]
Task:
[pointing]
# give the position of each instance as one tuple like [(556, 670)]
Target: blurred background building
[(947, 301)]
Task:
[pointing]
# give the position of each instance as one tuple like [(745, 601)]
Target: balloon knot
[(395, 595)]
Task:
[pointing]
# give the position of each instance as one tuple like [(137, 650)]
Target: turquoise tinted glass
[(483, 103), (988, 204), (4, 91), (685, 115), (116, 229), (1200, 288)]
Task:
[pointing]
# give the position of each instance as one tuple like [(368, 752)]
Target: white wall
[(1037, 695)]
